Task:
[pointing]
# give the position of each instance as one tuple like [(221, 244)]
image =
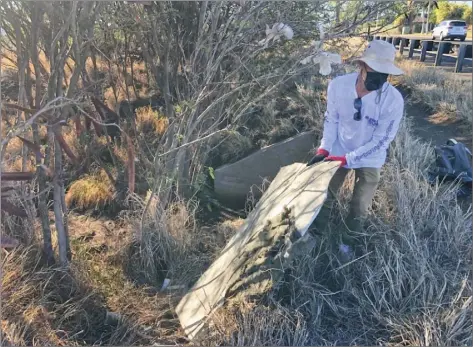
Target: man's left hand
[(343, 159)]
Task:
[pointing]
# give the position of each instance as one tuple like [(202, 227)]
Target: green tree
[(448, 10), (467, 15)]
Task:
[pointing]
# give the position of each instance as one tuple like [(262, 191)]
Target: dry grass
[(411, 287), (15, 146), (121, 153), (13, 160), (171, 245), (257, 325), (90, 192), (45, 306), (148, 120), (449, 94), (101, 250), (94, 303), (8, 60), (228, 147)]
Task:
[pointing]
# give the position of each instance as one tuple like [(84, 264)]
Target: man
[(362, 118)]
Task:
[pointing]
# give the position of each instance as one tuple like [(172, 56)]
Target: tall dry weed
[(409, 286), (447, 93), (47, 306)]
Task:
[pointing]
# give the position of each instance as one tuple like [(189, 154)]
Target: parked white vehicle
[(450, 29)]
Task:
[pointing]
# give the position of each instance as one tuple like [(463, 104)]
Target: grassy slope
[(411, 287), (446, 92)]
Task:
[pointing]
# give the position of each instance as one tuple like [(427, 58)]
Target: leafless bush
[(29, 38), (212, 76)]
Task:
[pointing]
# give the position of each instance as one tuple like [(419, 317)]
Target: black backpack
[(453, 163)]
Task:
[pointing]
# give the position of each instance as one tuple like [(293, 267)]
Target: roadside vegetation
[(141, 220), (448, 93)]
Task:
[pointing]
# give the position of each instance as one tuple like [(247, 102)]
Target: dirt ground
[(434, 127)]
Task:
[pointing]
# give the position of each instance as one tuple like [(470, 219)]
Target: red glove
[(342, 159), (322, 151)]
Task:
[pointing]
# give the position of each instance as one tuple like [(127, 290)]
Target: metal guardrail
[(439, 47)]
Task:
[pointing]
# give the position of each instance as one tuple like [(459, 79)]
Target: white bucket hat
[(379, 55)]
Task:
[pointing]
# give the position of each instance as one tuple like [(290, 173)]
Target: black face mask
[(375, 80)]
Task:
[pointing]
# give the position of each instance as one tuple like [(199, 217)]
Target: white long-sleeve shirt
[(364, 142)]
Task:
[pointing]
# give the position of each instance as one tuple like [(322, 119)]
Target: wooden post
[(447, 48), (460, 58), (468, 53), (438, 57), (412, 46), (402, 44), (423, 52)]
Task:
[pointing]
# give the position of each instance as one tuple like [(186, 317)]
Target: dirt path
[(434, 127)]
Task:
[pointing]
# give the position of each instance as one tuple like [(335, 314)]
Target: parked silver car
[(450, 29)]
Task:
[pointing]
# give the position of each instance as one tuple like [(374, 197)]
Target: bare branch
[(50, 106)]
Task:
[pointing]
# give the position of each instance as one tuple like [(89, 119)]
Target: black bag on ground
[(453, 163)]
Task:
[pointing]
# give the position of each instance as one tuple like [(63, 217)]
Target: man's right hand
[(319, 156)]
